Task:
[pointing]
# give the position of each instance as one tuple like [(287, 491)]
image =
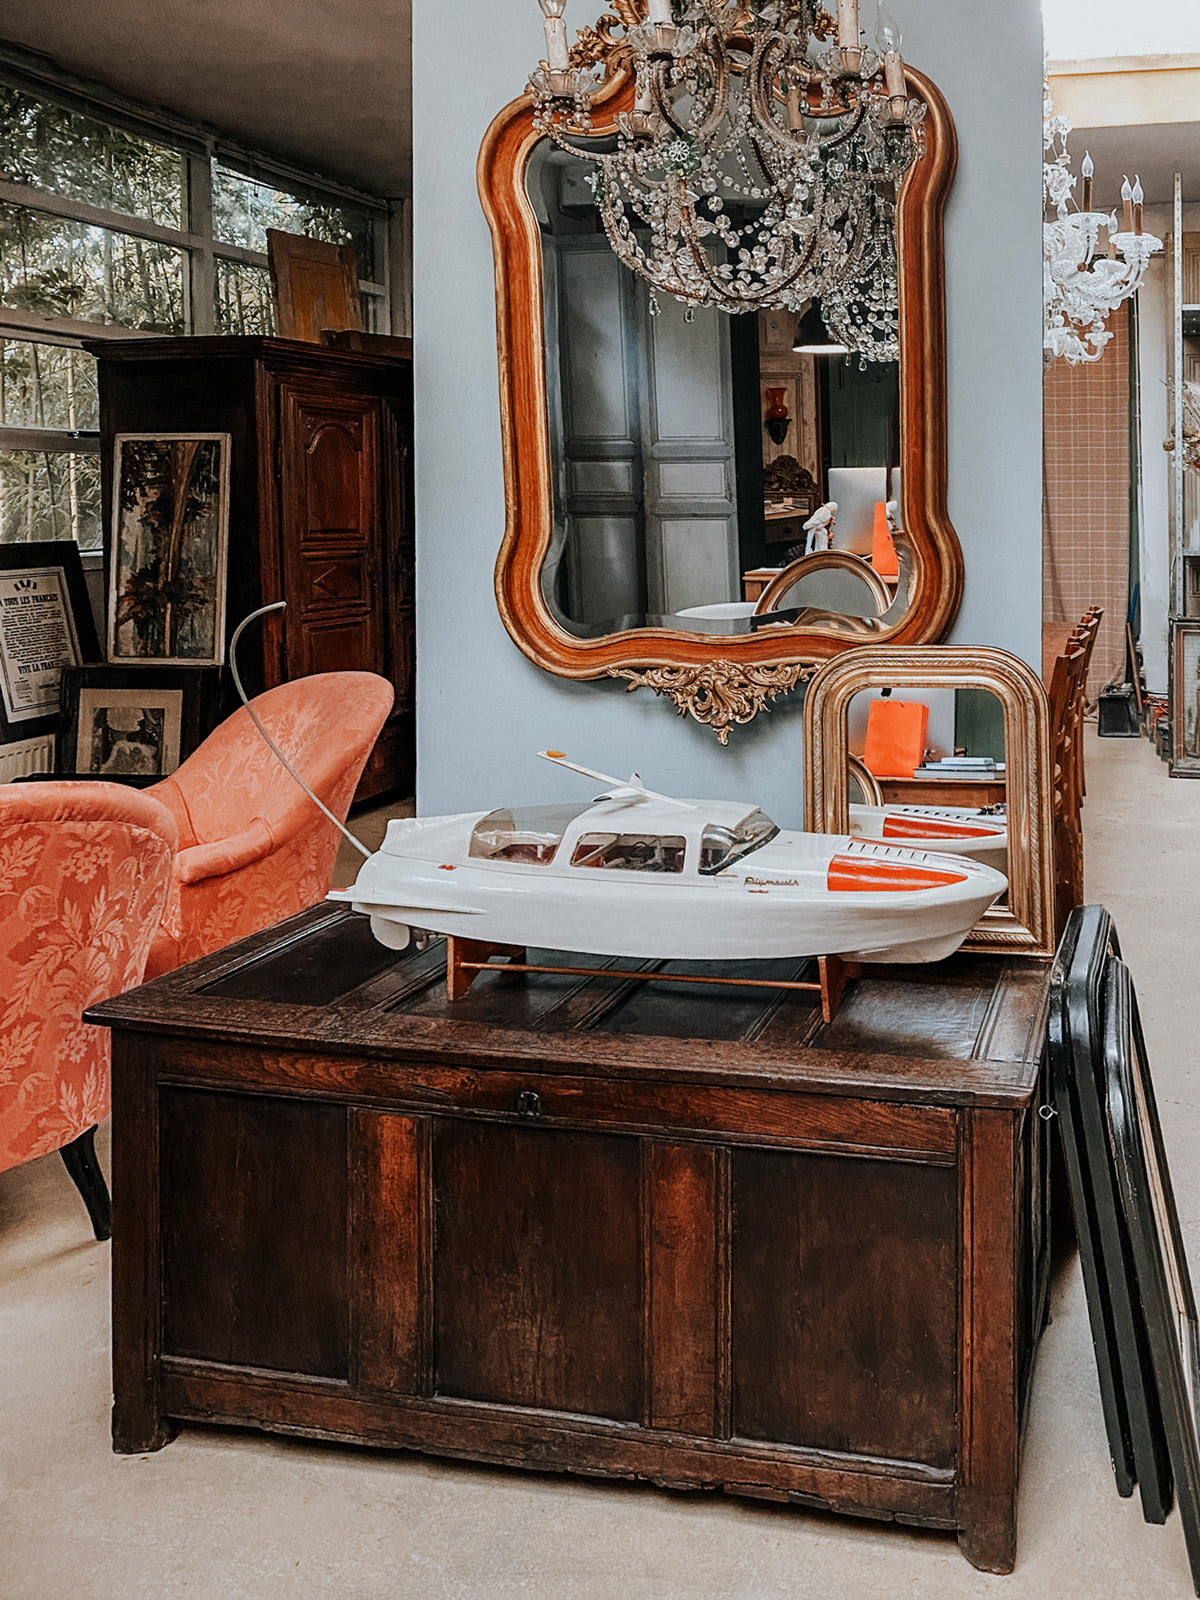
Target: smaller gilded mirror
[(947, 750)]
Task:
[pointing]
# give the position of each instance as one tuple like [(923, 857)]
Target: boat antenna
[(560, 760), (280, 605)]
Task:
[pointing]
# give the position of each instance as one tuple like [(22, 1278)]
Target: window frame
[(199, 150)]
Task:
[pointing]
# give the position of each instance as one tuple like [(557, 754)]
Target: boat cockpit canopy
[(722, 847), (528, 834), (532, 835)]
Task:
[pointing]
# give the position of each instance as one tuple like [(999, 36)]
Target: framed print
[(167, 567), (129, 722), (1148, 1205), (46, 627)]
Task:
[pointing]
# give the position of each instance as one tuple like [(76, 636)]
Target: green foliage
[(243, 210), (71, 154)]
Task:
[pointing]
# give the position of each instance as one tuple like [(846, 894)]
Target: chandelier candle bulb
[(1127, 203), (1139, 197), (1088, 170), (887, 42), (558, 57), (795, 115)]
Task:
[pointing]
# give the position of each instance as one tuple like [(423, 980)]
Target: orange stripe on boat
[(933, 828), (874, 875)]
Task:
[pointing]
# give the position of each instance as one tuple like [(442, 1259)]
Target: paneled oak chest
[(691, 1235)]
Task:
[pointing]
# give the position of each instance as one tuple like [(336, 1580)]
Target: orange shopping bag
[(896, 732), (883, 550)]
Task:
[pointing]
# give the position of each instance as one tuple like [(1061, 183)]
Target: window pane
[(50, 495), (76, 156), (631, 852), (243, 210), (46, 386), (528, 834), (244, 302), (68, 269)]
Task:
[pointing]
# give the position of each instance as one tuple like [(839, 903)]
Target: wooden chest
[(603, 1225)]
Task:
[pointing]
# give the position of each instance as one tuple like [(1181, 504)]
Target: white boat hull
[(775, 903), (966, 832)]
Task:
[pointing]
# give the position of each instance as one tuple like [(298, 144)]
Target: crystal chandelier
[(760, 164), (1085, 281)]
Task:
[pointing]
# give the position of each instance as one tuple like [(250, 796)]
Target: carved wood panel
[(331, 532)]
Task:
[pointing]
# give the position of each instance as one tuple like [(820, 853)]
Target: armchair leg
[(79, 1158)]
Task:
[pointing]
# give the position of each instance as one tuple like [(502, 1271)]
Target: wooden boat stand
[(467, 958)]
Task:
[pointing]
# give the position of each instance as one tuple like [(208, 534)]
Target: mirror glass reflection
[(928, 769), (689, 449)]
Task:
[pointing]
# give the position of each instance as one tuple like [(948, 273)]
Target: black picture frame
[(19, 562), (1148, 1206), (1128, 1391), (190, 695)]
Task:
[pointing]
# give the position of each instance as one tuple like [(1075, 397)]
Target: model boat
[(959, 831), (640, 874)]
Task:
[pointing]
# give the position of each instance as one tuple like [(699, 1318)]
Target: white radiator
[(26, 756)]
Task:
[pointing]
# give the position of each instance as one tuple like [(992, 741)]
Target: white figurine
[(819, 528), (892, 511), (635, 873)]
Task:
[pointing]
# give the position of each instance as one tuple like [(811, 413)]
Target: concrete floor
[(223, 1516)]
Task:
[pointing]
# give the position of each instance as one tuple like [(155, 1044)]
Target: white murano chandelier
[(762, 159), (1084, 280)]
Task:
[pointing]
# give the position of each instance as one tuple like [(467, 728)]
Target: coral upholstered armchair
[(85, 871), (253, 848)]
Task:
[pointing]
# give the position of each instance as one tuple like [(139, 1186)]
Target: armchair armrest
[(201, 861)]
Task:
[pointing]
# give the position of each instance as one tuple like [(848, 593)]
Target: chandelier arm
[(763, 97), (855, 121), (713, 47)]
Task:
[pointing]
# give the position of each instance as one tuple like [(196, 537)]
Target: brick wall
[(1085, 509)]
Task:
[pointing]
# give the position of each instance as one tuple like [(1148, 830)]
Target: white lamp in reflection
[(813, 338)]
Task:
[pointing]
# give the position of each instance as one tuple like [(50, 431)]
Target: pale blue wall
[(482, 708)]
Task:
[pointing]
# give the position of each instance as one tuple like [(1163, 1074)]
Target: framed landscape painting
[(166, 587)]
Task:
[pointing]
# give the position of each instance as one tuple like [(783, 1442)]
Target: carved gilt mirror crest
[(663, 457)]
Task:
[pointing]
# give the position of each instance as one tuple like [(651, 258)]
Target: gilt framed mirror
[(662, 457), (977, 780)]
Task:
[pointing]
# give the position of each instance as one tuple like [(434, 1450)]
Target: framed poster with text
[(46, 626)]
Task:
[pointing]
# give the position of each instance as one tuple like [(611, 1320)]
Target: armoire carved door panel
[(330, 534)]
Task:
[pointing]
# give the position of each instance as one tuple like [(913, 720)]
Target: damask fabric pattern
[(84, 875), (253, 847)]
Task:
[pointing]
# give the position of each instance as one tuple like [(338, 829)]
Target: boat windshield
[(526, 834), (721, 847)]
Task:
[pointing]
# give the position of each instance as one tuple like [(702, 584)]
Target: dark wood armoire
[(320, 510)]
